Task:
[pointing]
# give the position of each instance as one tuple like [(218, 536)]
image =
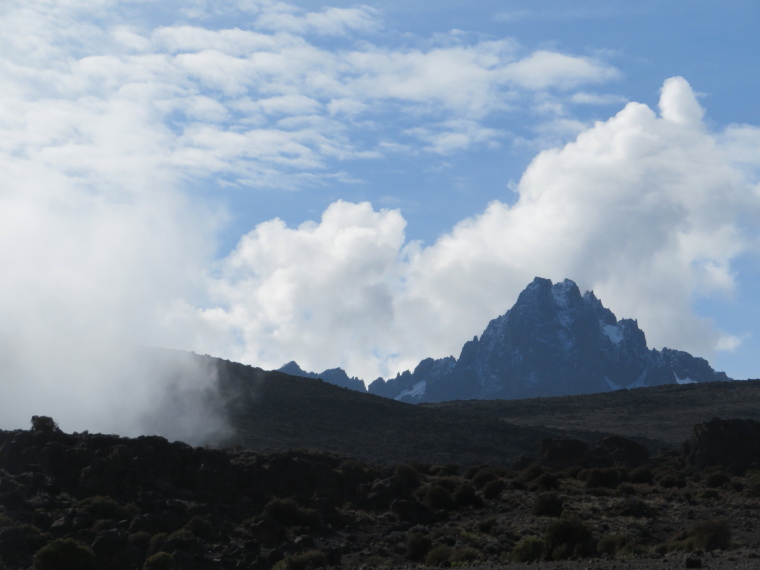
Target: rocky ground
[(93, 501)]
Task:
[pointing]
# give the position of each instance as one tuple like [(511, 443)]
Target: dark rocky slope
[(97, 502), (274, 411), (663, 414)]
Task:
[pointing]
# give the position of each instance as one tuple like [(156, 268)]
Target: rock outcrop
[(733, 444)]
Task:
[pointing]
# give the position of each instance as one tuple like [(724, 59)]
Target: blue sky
[(366, 185)]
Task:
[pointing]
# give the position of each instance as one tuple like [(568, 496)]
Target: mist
[(92, 265)]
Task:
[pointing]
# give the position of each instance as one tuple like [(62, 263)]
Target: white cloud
[(644, 209), (678, 103), (321, 286), (544, 69), (583, 98), (330, 21), (452, 136)]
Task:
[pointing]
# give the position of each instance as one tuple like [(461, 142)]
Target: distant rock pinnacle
[(552, 342)]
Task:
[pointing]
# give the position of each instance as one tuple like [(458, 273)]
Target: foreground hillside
[(92, 501), (273, 411)]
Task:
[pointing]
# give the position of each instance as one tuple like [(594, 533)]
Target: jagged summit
[(554, 341), (335, 376)]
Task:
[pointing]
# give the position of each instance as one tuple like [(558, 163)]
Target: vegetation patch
[(566, 538), (703, 535), (529, 549), (64, 554)]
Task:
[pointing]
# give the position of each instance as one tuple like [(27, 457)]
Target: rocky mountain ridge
[(554, 341)]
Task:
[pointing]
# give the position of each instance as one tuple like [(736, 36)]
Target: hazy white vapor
[(644, 209)]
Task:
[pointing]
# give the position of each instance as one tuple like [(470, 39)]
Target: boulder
[(731, 444)]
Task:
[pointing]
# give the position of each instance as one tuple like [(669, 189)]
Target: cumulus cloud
[(643, 208), (329, 21), (543, 69)]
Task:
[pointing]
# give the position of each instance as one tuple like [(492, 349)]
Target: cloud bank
[(645, 209)]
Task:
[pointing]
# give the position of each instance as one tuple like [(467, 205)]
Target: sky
[(363, 185)]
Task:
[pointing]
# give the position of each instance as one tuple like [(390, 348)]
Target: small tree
[(44, 424), (159, 561), (64, 554)]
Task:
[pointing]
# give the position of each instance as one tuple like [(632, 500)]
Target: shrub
[(717, 479), (408, 475), (486, 525), (417, 546), (492, 490), (641, 475), (107, 508), (616, 544), (34, 537), (288, 513), (156, 542), (64, 554), (484, 476), (464, 554), (529, 549), (625, 490), (465, 495), (570, 472), (545, 482), (139, 541), (608, 478), (474, 470), (568, 537), (671, 479), (303, 561), (438, 497), (449, 483), (450, 469), (752, 486), (531, 472), (633, 507), (44, 424), (438, 555), (548, 505), (200, 528), (703, 535), (709, 494), (159, 561)]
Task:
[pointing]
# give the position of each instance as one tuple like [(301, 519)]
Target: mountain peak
[(291, 368), (554, 341)]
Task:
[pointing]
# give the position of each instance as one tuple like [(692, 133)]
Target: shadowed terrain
[(662, 414), (274, 411)]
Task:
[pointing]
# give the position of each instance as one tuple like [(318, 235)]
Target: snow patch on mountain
[(685, 380), (613, 386), (641, 382), (612, 332), (416, 391)]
